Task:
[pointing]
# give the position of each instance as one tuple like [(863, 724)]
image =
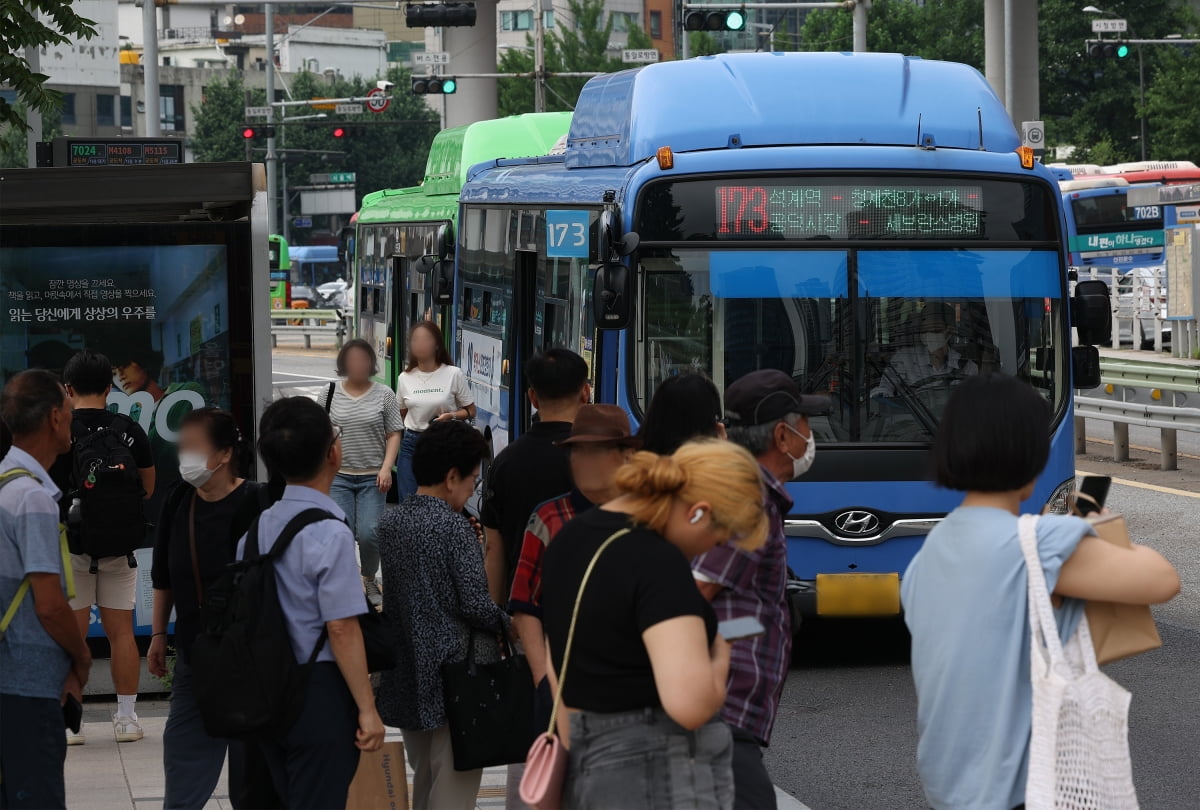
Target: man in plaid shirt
[(766, 414)]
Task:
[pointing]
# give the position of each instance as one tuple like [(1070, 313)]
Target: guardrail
[(1122, 379), (308, 322)]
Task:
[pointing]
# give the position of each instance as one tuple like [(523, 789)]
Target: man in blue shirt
[(43, 658), (319, 589)]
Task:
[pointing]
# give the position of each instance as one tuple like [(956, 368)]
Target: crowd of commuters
[(611, 556)]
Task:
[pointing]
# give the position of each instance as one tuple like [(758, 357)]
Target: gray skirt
[(644, 759)]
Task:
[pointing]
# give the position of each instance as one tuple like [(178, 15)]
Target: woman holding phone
[(647, 671)]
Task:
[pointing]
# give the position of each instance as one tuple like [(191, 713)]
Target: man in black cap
[(767, 415)]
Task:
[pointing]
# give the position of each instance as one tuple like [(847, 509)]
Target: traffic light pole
[(272, 191), (539, 61)]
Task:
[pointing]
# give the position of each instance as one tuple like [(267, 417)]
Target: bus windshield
[(1107, 212), (315, 273), (887, 330)]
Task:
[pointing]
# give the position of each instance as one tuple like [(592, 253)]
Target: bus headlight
[(1060, 501)]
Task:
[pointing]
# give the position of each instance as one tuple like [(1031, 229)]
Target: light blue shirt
[(965, 602), (318, 575), (31, 662)]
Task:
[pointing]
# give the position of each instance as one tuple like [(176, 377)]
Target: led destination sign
[(861, 210), (117, 152)]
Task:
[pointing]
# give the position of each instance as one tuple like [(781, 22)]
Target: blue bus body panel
[(760, 99)]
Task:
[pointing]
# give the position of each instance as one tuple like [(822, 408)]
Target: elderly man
[(766, 414), (43, 659)]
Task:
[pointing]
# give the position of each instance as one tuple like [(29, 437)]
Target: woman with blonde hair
[(646, 671)]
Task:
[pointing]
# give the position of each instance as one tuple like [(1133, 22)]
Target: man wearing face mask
[(767, 415), (930, 360)]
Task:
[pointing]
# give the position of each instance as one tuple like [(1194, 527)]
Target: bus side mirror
[(443, 282), (1085, 367), (445, 241), (612, 296), (1091, 313)]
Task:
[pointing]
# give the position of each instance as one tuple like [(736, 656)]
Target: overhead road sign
[(1033, 134), (1110, 26), (643, 56), (258, 112), (426, 58), (349, 109), (302, 222), (323, 104), (331, 178), (439, 15)]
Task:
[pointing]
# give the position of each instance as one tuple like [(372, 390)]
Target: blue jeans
[(361, 500), (644, 760), (406, 484)]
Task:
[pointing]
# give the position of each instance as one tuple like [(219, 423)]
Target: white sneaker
[(126, 729), (75, 739)]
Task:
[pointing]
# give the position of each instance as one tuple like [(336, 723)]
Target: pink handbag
[(546, 763)]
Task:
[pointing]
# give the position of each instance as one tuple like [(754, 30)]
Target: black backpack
[(248, 683), (108, 485)]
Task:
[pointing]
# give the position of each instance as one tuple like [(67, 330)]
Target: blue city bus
[(792, 211)]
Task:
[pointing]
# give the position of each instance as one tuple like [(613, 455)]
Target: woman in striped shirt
[(370, 419)]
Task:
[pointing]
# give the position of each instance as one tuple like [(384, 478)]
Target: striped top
[(366, 421)]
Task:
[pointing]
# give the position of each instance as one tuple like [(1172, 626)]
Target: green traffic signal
[(1122, 51), (449, 86), (735, 21)]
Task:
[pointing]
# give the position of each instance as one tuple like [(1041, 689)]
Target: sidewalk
[(105, 775)]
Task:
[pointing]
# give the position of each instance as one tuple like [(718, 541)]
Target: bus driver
[(930, 360)]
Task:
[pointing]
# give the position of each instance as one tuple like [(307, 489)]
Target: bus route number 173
[(568, 234)]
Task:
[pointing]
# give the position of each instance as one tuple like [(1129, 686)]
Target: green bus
[(404, 246), (281, 265)]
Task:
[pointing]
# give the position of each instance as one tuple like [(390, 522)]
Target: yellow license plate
[(858, 594)]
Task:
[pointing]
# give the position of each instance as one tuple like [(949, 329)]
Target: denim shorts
[(644, 759)]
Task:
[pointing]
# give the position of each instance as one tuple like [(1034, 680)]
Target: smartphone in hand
[(744, 627), (1093, 490)]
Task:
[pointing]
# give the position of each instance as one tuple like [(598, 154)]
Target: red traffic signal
[(348, 130), (249, 132), (339, 132)]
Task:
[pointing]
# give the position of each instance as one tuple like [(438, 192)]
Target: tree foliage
[(385, 155), (33, 24), (1088, 103), (578, 48), (13, 139)]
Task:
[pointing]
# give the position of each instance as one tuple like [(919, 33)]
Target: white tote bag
[(1079, 748)]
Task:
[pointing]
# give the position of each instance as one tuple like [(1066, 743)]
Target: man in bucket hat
[(766, 414), (600, 442)]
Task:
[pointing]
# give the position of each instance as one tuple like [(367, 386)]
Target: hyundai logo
[(856, 523)]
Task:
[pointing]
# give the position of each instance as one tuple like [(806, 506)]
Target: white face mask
[(934, 341), (193, 468), (802, 464)]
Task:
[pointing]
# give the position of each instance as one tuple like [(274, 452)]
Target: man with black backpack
[(106, 477), (281, 660)]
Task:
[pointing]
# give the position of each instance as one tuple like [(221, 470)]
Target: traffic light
[(348, 130), (252, 132), (1108, 50), (439, 15), (716, 20), (434, 85)]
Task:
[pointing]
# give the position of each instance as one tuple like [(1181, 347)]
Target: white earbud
[(696, 518)]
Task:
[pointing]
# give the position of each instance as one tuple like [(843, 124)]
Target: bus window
[(1107, 212)]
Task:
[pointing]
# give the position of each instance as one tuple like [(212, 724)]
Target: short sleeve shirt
[(317, 575), (31, 662), (366, 421), (965, 603), (425, 395), (639, 581), (92, 419)]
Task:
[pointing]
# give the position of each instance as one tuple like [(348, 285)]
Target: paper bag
[(380, 783), (1119, 631)]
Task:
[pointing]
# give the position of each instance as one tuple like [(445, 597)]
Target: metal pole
[(150, 69), (33, 55), (1008, 56), (283, 192), (993, 44), (860, 25), (1142, 110), (539, 60), (272, 191)]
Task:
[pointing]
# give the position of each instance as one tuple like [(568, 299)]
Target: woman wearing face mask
[(647, 671), (197, 535)]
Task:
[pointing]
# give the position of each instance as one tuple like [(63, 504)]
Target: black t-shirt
[(639, 581), (526, 473), (217, 531), (93, 418)]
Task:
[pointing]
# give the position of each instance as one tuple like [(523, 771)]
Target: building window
[(170, 108), (548, 19), (656, 25), (624, 21), (126, 112), (516, 20), (106, 112), (68, 111)]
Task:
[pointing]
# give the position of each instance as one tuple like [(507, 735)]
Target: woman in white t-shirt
[(429, 390)]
